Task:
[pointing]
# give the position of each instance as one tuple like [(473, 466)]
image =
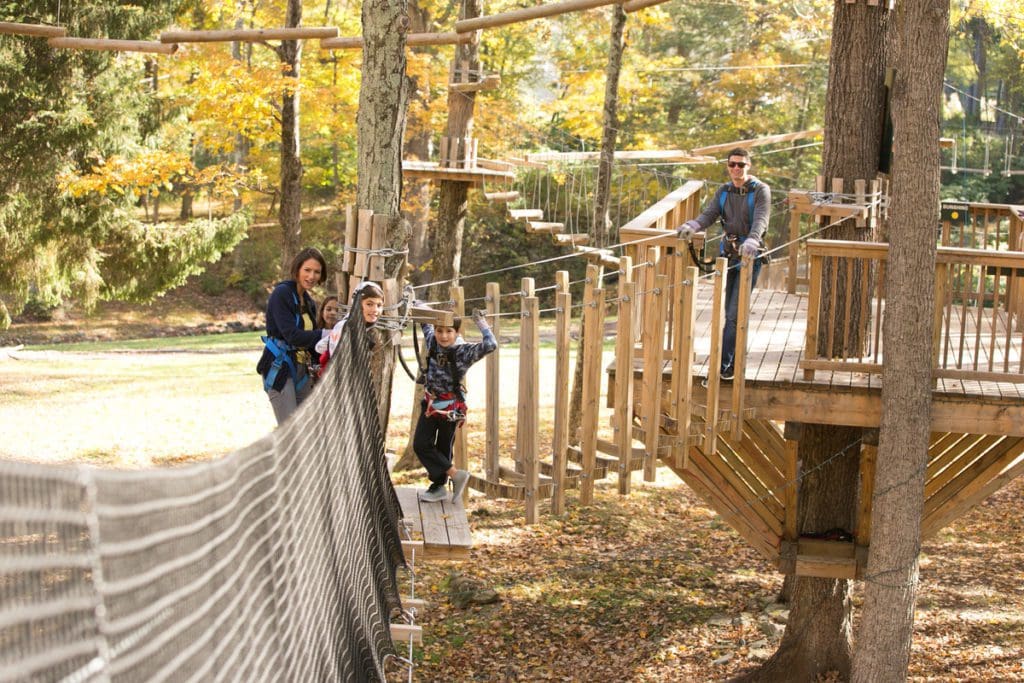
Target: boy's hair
[(456, 323), (305, 255)]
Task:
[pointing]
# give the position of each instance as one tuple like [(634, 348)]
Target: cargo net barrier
[(274, 563)]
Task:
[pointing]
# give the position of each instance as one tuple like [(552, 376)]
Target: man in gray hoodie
[(744, 206)]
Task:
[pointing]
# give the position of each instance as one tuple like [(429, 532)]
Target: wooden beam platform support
[(403, 633), (757, 142), (250, 35), (108, 45), (527, 13), (666, 155), (411, 40), (432, 316), (32, 30), (431, 170), (488, 82)]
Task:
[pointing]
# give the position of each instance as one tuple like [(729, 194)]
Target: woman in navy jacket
[(292, 334)]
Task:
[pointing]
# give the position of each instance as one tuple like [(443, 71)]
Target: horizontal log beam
[(528, 13), (411, 40), (756, 142), (673, 155), (250, 35), (636, 5), (35, 30), (108, 45)]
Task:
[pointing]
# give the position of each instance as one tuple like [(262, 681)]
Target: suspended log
[(108, 45), (411, 40), (635, 5), (527, 13), (666, 155), (755, 142), (249, 35), (35, 30)]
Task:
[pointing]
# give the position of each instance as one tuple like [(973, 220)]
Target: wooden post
[(364, 237), (813, 306), (941, 281), (593, 322), (347, 257), (493, 366), (529, 368), (654, 345), (682, 364), (461, 454), (560, 438), (624, 377), (868, 458), (794, 250), (378, 231), (715, 357), (740, 355), (526, 290)]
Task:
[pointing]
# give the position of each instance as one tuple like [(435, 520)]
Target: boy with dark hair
[(444, 402)]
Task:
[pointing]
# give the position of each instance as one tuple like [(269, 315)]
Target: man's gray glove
[(750, 247), (687, 229)]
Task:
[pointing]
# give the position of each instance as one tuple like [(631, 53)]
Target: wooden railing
[(979, 295)]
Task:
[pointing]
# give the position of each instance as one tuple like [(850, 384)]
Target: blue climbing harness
[(281, 350), (729, 246)]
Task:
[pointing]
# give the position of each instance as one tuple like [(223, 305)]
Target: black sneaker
[(727, 375)]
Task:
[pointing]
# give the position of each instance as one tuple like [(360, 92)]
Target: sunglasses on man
[(737, 164)]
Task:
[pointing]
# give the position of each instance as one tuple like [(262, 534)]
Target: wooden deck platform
[(430, 170), (442, 526), (776, 388)]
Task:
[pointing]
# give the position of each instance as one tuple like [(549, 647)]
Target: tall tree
[(883, 641), (383, 98), (818, 635), (289, 52)]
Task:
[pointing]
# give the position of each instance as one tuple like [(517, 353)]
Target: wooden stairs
[(533, 220)]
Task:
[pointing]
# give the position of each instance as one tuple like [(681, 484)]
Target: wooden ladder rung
[(415, 603), (567, 239), (403, 633), (501, 196), (543, 227), (525, 214)]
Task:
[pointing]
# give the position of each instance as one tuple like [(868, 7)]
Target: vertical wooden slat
[(682, 364), (364, 239), (740, 356), (529, 365), (966, 273), (794, 251), (865, 299), (994, 318), (560, 437), (624, 381), (593, 338), (979, 310), (813, 311), (493, 370), (941, 279), (654, 345), (715, 357), (350, 238), (1010, 279), (526, 290), (445, 150), (848, 270), (831, 320), (868, 458), (377, 236), (948, 306), (461, 459), (789, 530)]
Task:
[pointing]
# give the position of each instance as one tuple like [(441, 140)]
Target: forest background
[(121, 175)]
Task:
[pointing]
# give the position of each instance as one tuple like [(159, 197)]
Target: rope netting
[(276, 562)]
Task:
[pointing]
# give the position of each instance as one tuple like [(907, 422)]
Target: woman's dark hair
[(305, 255), (320, 322)]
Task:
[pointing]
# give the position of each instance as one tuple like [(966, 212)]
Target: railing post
[(794, 251), (526, 291), (682, 364), (939, 307), (493, 369), (593, 323), (653, 345), (560, 438), (740, 355), (813, 306), (529, 369), (715, 357), (624, 378), (461, 459)]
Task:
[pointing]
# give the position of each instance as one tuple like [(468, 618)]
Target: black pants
[(433, 442)]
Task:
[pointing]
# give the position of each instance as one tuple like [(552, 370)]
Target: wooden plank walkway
[(442, 526)]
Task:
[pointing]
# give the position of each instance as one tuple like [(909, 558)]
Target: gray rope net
[(274, 563)]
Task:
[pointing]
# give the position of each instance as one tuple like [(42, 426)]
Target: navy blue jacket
[(282, 309)]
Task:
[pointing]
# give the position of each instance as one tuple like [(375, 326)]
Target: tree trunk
[(383, 99), (887, 622), (609, 129), (453, 199), (602, 225), (818, 637), (289, 53)]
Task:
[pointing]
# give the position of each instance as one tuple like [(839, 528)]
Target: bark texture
[(383, 100), (883, 641), (289, 52), (609, 129)]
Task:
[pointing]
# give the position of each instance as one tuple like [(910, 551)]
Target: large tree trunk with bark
[(383, 98), (289, 215), (601, 229), (887, 622), (818, 636)]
